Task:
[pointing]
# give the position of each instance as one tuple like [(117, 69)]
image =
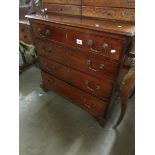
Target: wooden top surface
[(23, 21), (111, 26)]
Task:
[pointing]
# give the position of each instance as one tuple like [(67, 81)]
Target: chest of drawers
[(81, 58)]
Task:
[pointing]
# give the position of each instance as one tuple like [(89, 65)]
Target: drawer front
[(109, 13), (89, 84), (63, 9), (104, 46), (110, 3), (93, 105), (76, 2), (86, 62)]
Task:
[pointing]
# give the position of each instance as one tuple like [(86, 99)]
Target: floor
[(51, 125)]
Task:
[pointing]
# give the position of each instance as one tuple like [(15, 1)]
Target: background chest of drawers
[(81, 58)]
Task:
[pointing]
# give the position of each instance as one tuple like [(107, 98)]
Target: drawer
[(93, 105), (109, 13), (110, 3), (63, 9), (90, 63), (89, 43), (85, 82)]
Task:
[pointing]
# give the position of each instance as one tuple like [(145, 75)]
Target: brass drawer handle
[(89, 106), (99, 69), (87, 82), (104, 46), (92, 106)]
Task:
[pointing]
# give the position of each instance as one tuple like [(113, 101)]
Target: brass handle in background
[(127, 14), (100, 67), (87, 82), (89, 106)]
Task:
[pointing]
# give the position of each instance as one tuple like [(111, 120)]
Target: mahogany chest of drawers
[(81, 58)]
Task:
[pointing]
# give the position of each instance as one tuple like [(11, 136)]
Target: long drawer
[(63, 9), (89, 63), (110, 3), (109, 13), (89, 84), (93, 105), (87, 42)]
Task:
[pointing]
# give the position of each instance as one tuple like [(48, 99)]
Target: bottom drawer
[(91, 104)]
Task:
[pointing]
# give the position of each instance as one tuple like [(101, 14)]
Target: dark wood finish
[(105, 26), (63, 9), (78, 79), (81, 57), (93, 105), (110, 3), (86, 62), (110, 13)]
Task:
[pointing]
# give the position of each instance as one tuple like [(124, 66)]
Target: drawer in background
[(93, 105), (85, 82), (104, 46), (110, 3), (90, 63), (109, 13), (63, 9)]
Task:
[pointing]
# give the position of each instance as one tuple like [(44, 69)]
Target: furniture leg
[(44, 88), (124, 96)]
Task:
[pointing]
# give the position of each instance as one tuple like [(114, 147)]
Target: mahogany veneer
[(81, 57)]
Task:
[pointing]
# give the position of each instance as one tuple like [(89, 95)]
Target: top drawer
[(63, 9), (88, 42)]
